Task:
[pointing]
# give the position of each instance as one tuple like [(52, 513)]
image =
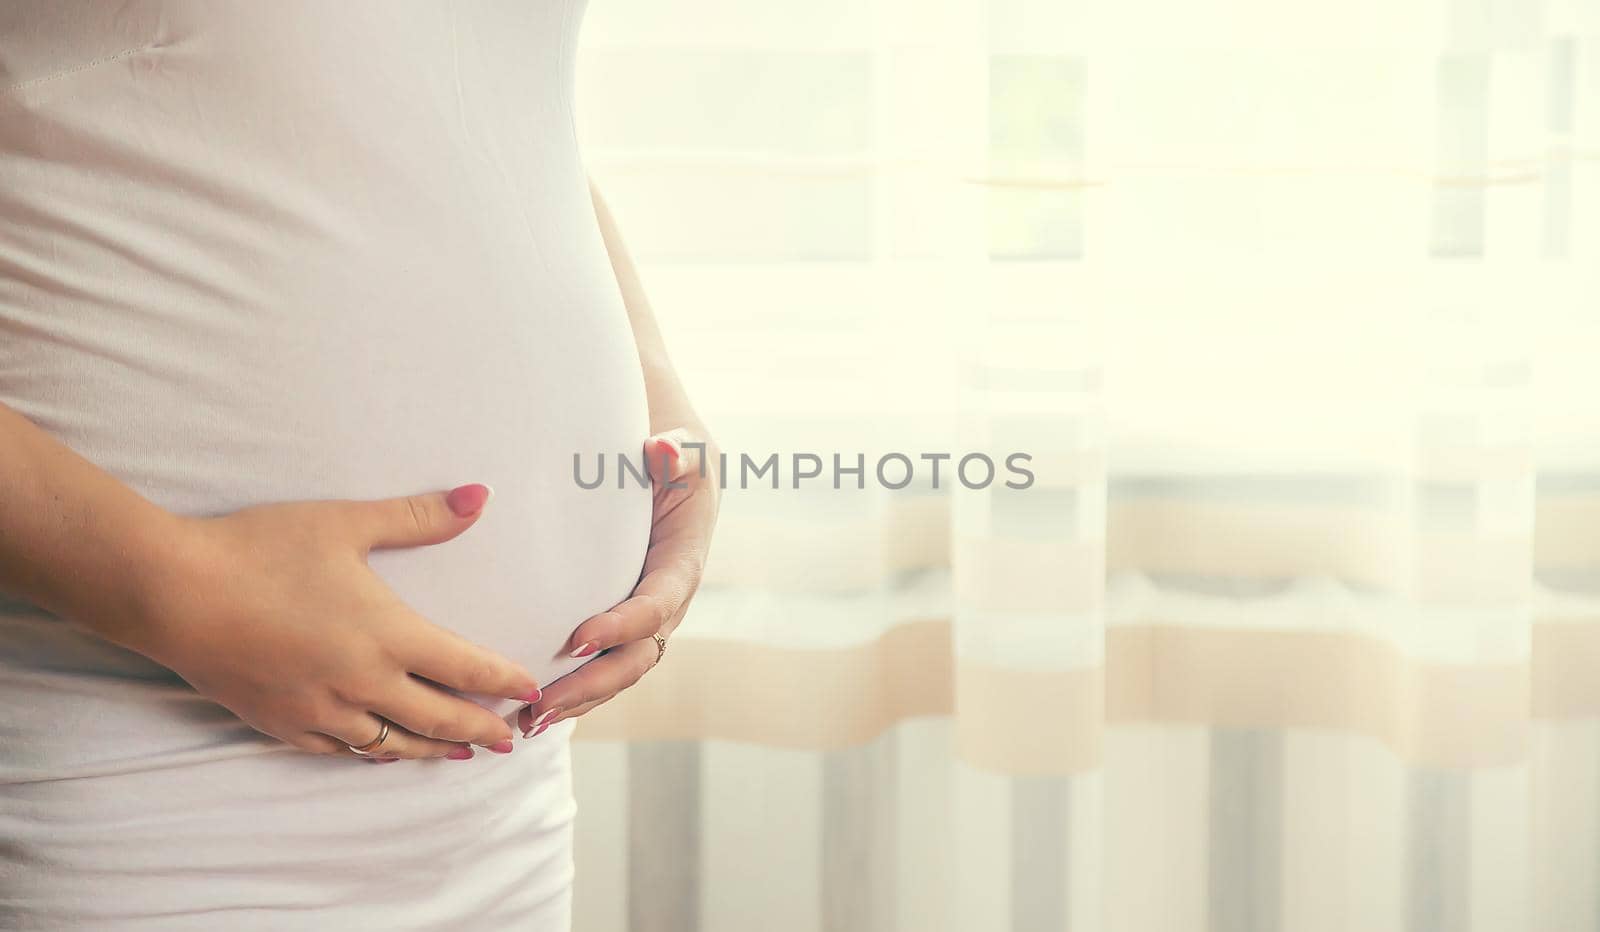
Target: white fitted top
[(255, 252)]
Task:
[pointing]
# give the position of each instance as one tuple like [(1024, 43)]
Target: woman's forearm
[(669, 403), (73, 539)]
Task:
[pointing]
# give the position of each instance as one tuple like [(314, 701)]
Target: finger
[(531, 726), (451, 660), (331, 747), (584, 709), (639, 617), (419, 520), (669, 455), (432, 713), (358, 729), (322, 744), (534, 725), (656, 602), (316, 743), (600, 679)]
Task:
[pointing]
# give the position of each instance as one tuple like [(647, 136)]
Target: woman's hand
[(686, 500), (273, 612)]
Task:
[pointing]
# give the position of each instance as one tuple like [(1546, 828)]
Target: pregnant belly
[(353, 370), (500, 373), (228, 285), (372, 406), (394, 395)]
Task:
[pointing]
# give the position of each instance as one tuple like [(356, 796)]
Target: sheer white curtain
[(1294, 307)]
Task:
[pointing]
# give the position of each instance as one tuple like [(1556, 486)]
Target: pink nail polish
[(501, 747), (459, 754), (585, 649), (544, 721), (532, 696), (670, 445), (467, 500)]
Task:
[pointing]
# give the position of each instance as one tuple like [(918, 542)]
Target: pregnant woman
[(285, 289)]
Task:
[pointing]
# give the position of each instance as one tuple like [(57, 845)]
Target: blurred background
[(1296, 307)]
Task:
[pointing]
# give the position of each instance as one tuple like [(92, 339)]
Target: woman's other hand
[(682, 466)]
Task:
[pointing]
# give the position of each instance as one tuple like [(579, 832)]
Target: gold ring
[(375, 743), (661, 647)]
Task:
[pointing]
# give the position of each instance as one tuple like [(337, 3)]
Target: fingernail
[(585, 649), (542, 722), (501, 747), (459, 754), (531, 696), (467, 500), (671, 445)]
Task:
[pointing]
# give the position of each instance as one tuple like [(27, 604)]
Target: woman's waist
[(176, 843), (73, 706)]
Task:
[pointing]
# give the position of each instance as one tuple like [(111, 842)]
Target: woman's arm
[(669, 404), (270, 611), (78, 543), (683, 461)]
